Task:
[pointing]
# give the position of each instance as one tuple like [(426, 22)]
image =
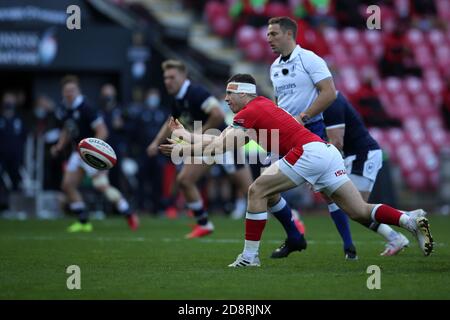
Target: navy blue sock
[(200, 213), (341, 221), (283, 213)]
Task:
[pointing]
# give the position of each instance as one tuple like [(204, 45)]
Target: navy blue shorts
[(318, 127)]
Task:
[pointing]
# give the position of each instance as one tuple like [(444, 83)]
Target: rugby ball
[(97, 153)]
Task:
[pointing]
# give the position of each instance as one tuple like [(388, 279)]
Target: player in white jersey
[(304, 87)]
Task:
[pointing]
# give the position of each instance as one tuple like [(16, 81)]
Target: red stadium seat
[(434, 86), (214, 9), (401, 104), (433, 122), (417, 137), (351, 85), (276, 9), (340, 54), (416, 180), (245, 35), (436, 37), (360, 55), (443, 55), (439, 138), (332, 36), (415, 37), (372, 37), (223, 26), (423, 55), (256, 51), (412, 123), (393, 85), (406, 157), (351, 36), (423, 100), (395, 136), (413, 85)]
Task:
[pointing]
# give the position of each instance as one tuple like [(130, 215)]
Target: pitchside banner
[(34, 35), (99, 48)]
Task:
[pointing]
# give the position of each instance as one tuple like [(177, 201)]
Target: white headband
[(241, 87)]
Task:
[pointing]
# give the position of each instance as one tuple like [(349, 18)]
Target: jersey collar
[(183, 89), (294, 53)]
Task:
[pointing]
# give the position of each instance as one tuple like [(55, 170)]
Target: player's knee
[(100, 182), (67, 186), (255, 190), (358, 214), (184, 181), (112, 194)]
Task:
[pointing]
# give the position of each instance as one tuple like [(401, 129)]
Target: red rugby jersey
[(262, 114)]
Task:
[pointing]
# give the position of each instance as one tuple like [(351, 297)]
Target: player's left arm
[(327, 94), (232, 138), (215, 114), (181, 135)]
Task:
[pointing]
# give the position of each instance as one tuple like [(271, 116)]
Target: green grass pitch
[(156, 262)]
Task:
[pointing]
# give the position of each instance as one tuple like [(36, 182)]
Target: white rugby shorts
[(318, 163), (76, 162)]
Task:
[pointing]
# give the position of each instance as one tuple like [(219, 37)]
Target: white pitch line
[(204, 240)]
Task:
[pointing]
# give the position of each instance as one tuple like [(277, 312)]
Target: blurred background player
[(12, 142), (303, 87), (194, 103), (363, 159), (80, 120), (147, 122), (112, 114)]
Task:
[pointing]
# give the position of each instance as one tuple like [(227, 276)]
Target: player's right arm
[(180, 134), (336, 136), (230, 139), (64, 138), (163, 134)]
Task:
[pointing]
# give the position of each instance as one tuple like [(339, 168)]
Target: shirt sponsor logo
[(286, 87), (339, 173)]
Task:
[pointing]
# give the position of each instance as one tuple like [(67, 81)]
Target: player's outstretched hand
[(174, 124), (169, 148)]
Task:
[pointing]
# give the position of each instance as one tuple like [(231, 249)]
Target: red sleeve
[(244, 119)]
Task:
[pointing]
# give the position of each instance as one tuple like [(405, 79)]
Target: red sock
[(388, 215), (254, 227)]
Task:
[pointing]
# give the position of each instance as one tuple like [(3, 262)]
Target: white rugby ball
[(97, 153)]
